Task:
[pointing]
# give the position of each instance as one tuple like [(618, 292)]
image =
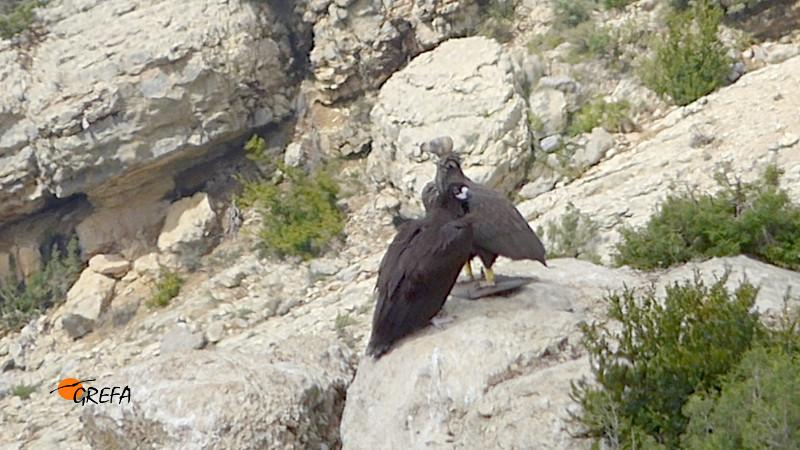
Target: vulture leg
[(468, 267), (490, 280)]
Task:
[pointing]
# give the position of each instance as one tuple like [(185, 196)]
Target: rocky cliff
[(123, 122)]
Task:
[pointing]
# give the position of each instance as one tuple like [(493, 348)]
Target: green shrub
[(598, 112), (689, 61), (256, 150), (21, 301), (299, 214), (344, 320), (756, 218), (615, 4), (571, 13), (758, 406), (656, 353), (498, 19), (16, 16), (535, 122), (573, 24), (23, 391), (738, 7), (298, 211), (572, 238), (167, 287)]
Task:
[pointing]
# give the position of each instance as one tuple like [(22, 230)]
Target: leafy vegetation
[(22, 300), (535, 122), (23, 391), (656, 353), (573, 237), (344, 320), (729, 6), (615, 4), (167, 287), (573, 24), (498, 17), (298, 211), (689, 61), (569, 13), (598, 112), (757, 406), (256, 150), (16, 16), (755, 218)]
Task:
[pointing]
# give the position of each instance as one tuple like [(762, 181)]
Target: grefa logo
[(72, 389)]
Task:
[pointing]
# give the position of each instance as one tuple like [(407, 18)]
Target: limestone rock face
[(468, 384), (86, 300), (181, 339), (498, 375), (469, 89), (187, 227), (687, 147), (359, 43), (214, 399), (97, 109), (130, 226)]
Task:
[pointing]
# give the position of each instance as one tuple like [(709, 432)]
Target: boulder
[(114, 266), (188, 227), (215, 399), (598, 143), (151, 264), (551, 143), (28, 261), (545, 181), (86, 300), (468, 89), (549, 105)]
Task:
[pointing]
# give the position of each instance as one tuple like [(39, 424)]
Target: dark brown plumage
[(499, 228), (420, 268)]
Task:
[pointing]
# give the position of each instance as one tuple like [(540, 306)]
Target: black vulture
[(420, 268), (498, 227)]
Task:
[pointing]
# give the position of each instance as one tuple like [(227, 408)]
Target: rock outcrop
[(210, 399), (97, 110), (358, 44), (499, 375), (469, 89), (745, 126)]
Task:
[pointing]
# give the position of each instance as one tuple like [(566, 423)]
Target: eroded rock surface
[(212, 399), (469, 89), (360, 43), (745, 126), (87, 299), (98, 109), (499, 375)]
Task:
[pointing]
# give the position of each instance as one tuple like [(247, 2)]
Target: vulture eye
[(461, 193)]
